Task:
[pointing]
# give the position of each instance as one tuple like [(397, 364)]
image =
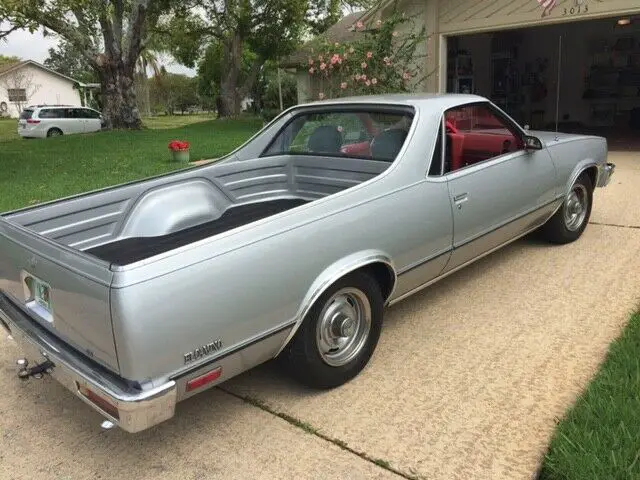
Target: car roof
[(432, 100)]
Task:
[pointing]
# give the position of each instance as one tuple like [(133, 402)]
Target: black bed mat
[(130, 250)]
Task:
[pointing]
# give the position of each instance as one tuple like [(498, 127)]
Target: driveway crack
[(617, 225), (310, 429)]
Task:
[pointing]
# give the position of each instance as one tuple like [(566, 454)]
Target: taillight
[(33, 122), (97, 400), (205, 379)]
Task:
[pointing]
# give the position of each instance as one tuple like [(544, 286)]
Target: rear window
[(26, 114), (359, 133)]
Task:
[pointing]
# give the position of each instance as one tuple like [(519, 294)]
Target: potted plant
[(179, 150)]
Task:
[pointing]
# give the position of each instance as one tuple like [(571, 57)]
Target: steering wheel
[(450, 127)]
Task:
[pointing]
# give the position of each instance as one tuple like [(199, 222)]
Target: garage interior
[(577, 77)]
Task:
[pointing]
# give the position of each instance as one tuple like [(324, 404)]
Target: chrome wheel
[(343, 326), (575, 207)]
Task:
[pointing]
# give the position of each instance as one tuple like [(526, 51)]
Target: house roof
[(339, 32), (16, 65)]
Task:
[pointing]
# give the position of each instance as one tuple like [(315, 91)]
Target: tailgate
[(62, 289)]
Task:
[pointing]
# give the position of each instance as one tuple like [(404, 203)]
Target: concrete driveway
[(467, 382)]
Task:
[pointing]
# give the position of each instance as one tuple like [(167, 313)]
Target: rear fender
[(332, 274)]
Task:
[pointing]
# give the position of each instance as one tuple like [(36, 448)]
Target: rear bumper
[(137, 409), (605, 174)]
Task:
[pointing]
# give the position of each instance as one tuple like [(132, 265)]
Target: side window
[(47, 113), (476, 133)]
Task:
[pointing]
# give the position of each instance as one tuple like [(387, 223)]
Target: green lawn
[(599, 438), (8, 129), (38, 170)]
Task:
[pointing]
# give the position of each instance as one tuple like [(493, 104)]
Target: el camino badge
[(202, 351)]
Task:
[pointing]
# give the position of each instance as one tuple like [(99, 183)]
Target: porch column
[(433, 59)]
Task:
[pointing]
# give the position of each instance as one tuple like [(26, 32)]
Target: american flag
[(548, 6)]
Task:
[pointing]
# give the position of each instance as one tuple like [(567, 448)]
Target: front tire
[(338, 335), (571, 219)]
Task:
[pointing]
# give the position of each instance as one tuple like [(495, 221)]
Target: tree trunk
[(120, 107), (229, 97)]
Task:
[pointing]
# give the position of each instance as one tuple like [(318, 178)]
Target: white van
[(40, 121)]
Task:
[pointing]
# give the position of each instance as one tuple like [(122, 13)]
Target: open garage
[(565, 71)]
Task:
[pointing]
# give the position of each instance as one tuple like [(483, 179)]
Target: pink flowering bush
[(384, 58)]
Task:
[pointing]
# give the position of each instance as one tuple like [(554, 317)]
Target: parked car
[(140, 295), (40, 121)]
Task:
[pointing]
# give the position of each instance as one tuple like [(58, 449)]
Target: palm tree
[(148, 59)]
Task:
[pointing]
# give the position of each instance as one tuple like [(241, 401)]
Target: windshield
[(360, 133), (26, 114)]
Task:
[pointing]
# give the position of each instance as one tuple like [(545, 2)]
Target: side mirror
[(532, 143)]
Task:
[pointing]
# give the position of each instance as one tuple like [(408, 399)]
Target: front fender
[(581, 167), (333, 273)]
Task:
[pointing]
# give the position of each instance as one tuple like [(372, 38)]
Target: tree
[(68, 60), (20, 87), (5, 61), (110, 35), (268, 28), (170, 92)]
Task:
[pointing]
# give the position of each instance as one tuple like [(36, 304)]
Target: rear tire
[(571, 219), (54, 132), (338, 335)]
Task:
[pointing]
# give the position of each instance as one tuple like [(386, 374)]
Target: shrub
[(383, 59)]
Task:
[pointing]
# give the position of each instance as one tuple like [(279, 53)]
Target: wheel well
[(592, 172), (384, 275)]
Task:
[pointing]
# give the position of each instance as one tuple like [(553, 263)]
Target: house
[(30, 83), (572, 65)]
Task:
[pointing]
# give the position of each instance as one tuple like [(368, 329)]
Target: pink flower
[(310, 61), (386, 59), (351, 50), (360, 25), (358, 76), (395, 34), (321, 95), (374, 81), (363, 64), (363, 77), (343, 85), (312, 70), (406, 75), (323, 66), (368, 82), (369, 54)]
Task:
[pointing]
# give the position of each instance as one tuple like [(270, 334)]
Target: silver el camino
[(140, 295)]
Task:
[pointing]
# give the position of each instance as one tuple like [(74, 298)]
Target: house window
[(17, 94)]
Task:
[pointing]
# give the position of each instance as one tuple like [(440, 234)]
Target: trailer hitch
[(36, 371)]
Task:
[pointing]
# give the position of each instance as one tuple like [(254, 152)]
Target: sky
[(36, 47)]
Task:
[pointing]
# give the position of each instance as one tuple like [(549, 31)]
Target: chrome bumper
[(605, 174), (136, 409)]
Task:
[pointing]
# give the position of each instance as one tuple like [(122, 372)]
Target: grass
[(600, 436), (39, 170), (8, 129)]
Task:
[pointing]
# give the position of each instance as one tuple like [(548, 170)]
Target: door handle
[(460, 199)]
